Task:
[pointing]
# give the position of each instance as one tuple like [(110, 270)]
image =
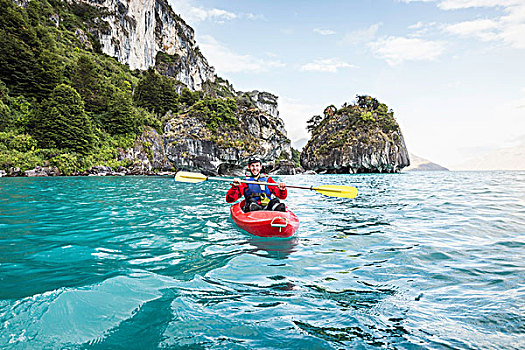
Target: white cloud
[(330, 65), (483, 29), (508, 28), (361, 36), (194, 14), (217, 14), (420, 29), (395, 50), (520, 103), (418, 25), (253, 16), (463, 4), (227, 61), (513, 26), (324, 31)]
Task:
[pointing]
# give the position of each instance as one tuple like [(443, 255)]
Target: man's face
[(255, 168)]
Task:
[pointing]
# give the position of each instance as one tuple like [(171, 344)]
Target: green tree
[(216, 112), (15, 112), (62, 121), (6, 119), (313, 123), (367, 102), (189, 98), (330, 111), (88, 83), (296, 157), (26, 66), (121, 117), (156, 93)]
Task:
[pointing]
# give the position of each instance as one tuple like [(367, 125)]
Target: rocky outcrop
[(135, 31), (286, 167), (362, 138), (147, 154), (145, 33), (265, 101), (192, 145), (189, 144), (42, 171)]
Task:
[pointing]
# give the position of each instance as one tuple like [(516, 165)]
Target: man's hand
[(282, 186), (236, 182)]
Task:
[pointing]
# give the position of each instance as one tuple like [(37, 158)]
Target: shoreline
[(102, 171)]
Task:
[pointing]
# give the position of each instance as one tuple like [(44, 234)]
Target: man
[(257, 197)]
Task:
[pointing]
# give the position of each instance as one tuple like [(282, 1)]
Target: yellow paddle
[(327, 190)]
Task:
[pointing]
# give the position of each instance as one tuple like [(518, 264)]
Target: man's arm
[(236, 191), (279, 191)]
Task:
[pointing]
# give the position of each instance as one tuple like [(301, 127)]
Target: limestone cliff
[(191, 143), (135, 31), (360, 138), (146, 33)]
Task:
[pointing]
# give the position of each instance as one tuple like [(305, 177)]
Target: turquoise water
[(416, 261)]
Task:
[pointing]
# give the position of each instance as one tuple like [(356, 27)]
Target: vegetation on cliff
[(366, 112), (63, 103), (359, 137)]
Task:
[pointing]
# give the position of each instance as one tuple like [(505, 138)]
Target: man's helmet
[(254, 160)]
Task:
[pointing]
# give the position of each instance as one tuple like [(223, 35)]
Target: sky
[(453, 71)]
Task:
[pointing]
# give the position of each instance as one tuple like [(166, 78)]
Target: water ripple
[(417, 260)]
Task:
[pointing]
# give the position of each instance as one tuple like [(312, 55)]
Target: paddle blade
[(185, 176), (337, 191)]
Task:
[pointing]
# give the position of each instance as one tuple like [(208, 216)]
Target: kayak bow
[(265, 223)]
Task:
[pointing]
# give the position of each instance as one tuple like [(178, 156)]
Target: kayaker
[(257, 197)]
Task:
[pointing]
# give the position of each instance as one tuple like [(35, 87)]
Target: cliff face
[(190, 144), (265, 101), (145, 33), (135, 31), (363, 138)]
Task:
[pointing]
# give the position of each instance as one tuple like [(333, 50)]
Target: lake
[(417, 260)]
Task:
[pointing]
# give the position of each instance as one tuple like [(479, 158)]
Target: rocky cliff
[(145, 33), (177, 114), (135, 31), (360, 138), (190, 143)]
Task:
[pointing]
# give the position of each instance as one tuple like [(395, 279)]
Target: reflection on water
[(418, 260), (273, 248)]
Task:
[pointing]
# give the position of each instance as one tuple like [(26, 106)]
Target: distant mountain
[(299, 144), (422, 164), (512, 158)]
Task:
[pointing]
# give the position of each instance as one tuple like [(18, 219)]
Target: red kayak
[(265, 223)]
